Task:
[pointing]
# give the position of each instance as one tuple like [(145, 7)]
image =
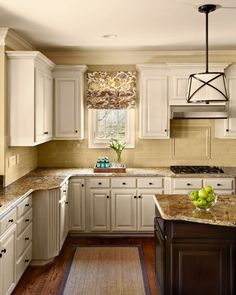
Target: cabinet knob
[(66, 202), (64, 191), (150, 183), (10, 220), (76, 131), (82, 185), (165, 130), (124, 183), (0, 255), (135, 197), (4, 251), (26, 260), (108, 197), (140, 197), (218, 184), (27, 239), (100, 183), (26, 205), (188, 184), (27, 220), (46, 132), (227, 130)]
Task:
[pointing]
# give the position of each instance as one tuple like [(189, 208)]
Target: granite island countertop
[(179, 207)]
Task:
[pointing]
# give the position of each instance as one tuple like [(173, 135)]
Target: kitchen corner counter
[(179, 207)]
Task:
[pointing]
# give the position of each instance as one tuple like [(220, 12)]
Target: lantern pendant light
[(207, 86)]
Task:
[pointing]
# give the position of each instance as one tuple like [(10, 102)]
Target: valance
[(111, 90)]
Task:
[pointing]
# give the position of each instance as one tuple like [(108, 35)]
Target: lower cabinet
[(100, 210), (77, 204), (193, 258), (8, 261)]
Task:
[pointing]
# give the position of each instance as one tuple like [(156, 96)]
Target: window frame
[(129, 133)]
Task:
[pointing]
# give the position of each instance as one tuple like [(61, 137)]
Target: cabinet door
[(66, 103), (48, 103), (146, 209), (227, 128), (100, 210), (39, 105), (63, 222), (124, 210), (8, 261), (153, 107), (77, 205)]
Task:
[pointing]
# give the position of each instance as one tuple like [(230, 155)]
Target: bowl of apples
[(204, 198)]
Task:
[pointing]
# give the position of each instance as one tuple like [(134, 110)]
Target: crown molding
[(13, 41)]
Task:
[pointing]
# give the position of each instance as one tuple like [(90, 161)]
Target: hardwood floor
[(46, 280)]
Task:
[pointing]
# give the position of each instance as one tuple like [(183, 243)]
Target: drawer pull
[(124, 183), (27, 239), (150, 183), (82, 185), (108, 197), (66, 202), (64, 191), (76, 131), (27, 205), (46, 132), (4, 251), (227, 130), (27, 220), (100, 183), (10, 220), (219, 184), (188, 184), (139, 197), (135, 197), (0, 255), (26, 260)]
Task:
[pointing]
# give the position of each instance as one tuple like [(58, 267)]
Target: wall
[(192, 141), (27, 156)]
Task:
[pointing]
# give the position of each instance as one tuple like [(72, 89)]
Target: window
[(105, 124)]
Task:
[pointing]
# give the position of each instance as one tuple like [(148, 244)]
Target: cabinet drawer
[(150, 182), (99, 182), (189, 183), (118, 182), (23, 261), (24, 206), (24, 221), (23, 240), (220, 184), (7, 220)]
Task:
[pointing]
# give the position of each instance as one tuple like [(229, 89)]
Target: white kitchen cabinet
[(226, 128), (69, 102), (77, 204), (178, 81), (154, 113), (100, 210), (30, 98), (124, 209), (8, 261)]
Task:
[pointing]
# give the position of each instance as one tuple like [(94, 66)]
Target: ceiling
[(138, 24)]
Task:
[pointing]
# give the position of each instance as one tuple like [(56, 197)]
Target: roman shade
[(111, 90)]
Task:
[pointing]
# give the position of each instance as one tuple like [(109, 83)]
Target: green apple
[(195, 203), (210, 198), (202, 193), (193, 195), (209, 189)]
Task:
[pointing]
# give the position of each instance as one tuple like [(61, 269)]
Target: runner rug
[(106, 270)]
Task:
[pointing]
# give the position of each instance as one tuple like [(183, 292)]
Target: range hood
[(190, 111)]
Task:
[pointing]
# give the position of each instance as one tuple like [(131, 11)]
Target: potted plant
[(118, 147)]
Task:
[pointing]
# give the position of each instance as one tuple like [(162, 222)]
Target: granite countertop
[(179, 207)]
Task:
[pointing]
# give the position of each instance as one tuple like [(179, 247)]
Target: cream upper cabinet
[(178, 80), (226, 128), (8, 261), (30, 95), (69, 102), (154, 113)]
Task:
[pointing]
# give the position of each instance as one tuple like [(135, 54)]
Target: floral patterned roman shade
[(111, 90)]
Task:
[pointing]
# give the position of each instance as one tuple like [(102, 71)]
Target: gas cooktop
[(196, 169)]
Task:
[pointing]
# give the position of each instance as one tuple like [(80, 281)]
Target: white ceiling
[(139, 24)]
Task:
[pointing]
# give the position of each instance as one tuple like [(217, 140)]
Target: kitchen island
[(195, 251)]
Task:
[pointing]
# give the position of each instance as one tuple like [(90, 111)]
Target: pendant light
[(207, 86)]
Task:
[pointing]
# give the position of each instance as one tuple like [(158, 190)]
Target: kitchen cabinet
[(222, 186), (8, 261), (69, 102), (194, 258), (77, 204), (30, 95), (178, 81), (226, 128), (63, 212), (154, 113)]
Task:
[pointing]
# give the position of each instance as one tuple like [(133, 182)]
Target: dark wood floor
[(46, 280)]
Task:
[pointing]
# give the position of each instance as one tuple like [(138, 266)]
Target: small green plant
[(118, 147)]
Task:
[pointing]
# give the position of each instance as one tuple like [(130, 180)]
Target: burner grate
[(196, 169)]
